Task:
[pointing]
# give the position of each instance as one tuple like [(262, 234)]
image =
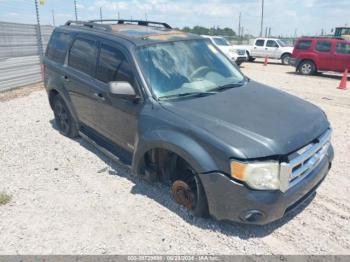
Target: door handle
[(99, 96), (265, 48)]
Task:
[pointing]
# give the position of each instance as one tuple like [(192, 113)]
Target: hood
[(255, 120), (227, 49)]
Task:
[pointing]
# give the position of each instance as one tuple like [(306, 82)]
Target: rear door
[(258, 48), (79, 78), (272, 49), (116, 117), (324, 55), (342, 56)]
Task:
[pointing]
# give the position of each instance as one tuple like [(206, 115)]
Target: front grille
[(240, 51), (302, 162)]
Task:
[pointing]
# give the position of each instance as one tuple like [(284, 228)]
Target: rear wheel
[(307, 67), (63, 118), (285, 59)]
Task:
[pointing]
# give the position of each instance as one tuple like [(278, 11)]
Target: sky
[(285, 17)]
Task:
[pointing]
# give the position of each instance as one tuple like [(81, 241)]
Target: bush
[(4, 198)]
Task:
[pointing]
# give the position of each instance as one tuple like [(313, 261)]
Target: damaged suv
[(177, 110)]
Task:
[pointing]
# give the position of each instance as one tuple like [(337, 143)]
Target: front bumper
[(239, 60), (230, 200), (293, 61)]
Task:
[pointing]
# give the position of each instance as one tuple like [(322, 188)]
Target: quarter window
[(113, 66), (57, 47), (343, 48), (323, 46), (82, 56), (304, 44), (260, 42)]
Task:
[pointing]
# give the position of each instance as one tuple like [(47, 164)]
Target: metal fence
[(19, 54)]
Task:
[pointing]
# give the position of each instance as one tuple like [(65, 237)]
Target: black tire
[(285, 59), (239, 63), (184, 173), (307, 67), (63, 118), (250, 59)]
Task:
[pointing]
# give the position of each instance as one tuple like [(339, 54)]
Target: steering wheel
[(199, 70)]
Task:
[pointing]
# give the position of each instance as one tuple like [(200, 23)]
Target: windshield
[(186, 67), (282, 43), (221, 41)]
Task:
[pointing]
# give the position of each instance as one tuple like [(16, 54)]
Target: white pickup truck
[(271, 47), (236, 54)]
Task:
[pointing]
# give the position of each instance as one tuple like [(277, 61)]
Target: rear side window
[(113, 66), (304, 44), (323, 46), (271, 43), (260, 42), (82, 56), (343, 48), (57, 47)]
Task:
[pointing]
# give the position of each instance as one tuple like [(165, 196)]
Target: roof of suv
[(136, 31), (316, 38)]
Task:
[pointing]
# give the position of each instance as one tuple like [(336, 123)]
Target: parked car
[(271, 47), (313, 54), (177, 110), (238, 55)]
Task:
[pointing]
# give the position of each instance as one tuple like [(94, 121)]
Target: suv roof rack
[(126, 21), (330, 37), (89, 24)]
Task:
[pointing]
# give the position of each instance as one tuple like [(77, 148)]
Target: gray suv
[(176, 109)]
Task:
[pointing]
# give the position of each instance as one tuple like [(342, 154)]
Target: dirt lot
[(68, 198)]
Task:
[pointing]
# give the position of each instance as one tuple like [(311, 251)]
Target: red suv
[(313, 54)]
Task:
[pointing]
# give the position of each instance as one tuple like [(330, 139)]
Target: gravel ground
[(67, 198)]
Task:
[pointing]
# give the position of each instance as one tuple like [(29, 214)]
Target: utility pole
[(38, 32), (146, 16), (118, 15), (53, 17), (269, 32), (239, 24), (262, 18), (101, 14), (75, 10)]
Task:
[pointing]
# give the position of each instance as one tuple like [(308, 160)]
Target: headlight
[(257, 175)]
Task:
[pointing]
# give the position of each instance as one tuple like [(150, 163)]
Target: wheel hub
[(183, 194)]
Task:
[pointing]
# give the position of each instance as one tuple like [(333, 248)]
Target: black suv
[(178, 111)]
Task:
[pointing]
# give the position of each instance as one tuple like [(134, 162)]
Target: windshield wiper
[(228, 86), (192, 94)]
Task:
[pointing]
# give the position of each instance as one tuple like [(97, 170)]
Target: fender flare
[(181, 144), (285, 53), (55, 86)]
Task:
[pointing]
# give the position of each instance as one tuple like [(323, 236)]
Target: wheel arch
[(56, 91), (306, 59), (180, 144), (286, 53)]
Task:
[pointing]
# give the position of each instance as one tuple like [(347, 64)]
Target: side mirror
[(122, 90)]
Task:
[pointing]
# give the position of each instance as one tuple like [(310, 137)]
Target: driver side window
[(113, 66)]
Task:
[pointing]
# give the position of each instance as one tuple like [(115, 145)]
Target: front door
[(116, 117), (272, 49), (79, 78)]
